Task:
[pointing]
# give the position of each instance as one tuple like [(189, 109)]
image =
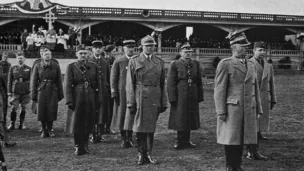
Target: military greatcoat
[(118, 90), (236, 94), (103, 113), (84, 98), (46, 90), (145, 89), (185, 91), (5, 69), (266, 84)]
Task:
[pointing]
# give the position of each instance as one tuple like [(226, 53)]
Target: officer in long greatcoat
[(185, 91), (46, 91), (118, 91), (5, 65), (81, 93), (237, 102), (109, 56), (42, 49), (19, 89), (265, 79), (3, 108), (146, 96), (103, 113)]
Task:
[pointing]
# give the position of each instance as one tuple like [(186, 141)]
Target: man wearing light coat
[(237, 102)]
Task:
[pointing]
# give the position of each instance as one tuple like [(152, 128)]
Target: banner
[(34, 6)]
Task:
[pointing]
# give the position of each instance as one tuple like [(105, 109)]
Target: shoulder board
[(250, 61), (172, 62), (159, 57), (134, 56), (226, 59)]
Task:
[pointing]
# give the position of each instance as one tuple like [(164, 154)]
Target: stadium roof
[(286, 7)]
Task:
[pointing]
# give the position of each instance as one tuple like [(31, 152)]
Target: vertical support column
[(89, 30), (159, 38), (80, 36), (300, 67)]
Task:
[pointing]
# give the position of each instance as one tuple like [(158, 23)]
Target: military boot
[(253, 153), (129, 138), (124, 139), (79, 150), (149, 141), (22, 117), (13, 119), (3, 168)]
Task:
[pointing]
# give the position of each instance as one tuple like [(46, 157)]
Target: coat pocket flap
[(232, 101)]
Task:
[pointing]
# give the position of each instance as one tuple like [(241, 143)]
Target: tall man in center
[(103, 113), (146, 96), (118, 91), (237, 102)]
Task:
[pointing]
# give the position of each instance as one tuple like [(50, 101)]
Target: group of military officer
[(244, 93)]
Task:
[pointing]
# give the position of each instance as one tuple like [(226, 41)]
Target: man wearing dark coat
[(46, 91), (103, 114), (3, 108), (19, 90), (37, 61), (146, 97), (81, 93), (5, 65), (237, 102), (118, 91), (109, 56), (185, 92)]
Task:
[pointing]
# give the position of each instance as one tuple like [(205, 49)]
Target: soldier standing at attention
[(265, 79), (103, 113), (81, 93), (237, 102), (118, 91), (46, 91), (5, 65), (185, 92), (146, 96), (43, 48), (19, 90)]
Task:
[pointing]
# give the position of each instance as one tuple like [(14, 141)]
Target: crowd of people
[(64, 40), (59, 42)]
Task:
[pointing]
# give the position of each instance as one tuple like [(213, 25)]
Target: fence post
[(197, 54)]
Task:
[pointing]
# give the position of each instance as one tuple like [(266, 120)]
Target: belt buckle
[(20, 80), (86, 84)]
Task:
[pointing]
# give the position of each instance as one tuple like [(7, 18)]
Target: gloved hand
[(116, 98), (70, 106), (222, 117), (133, 109), (162, 109)]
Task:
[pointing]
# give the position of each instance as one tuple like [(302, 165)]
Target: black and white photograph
[(156, 85)]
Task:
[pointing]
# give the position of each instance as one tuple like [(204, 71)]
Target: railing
[(4, 47), (170, 50), (155, 13)]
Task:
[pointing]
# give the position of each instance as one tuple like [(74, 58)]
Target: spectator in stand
[(30, 42), (71, 34), (50, 41), (61, 41), (23, 37)]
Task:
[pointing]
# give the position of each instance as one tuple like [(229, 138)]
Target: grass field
[(285, 148)]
